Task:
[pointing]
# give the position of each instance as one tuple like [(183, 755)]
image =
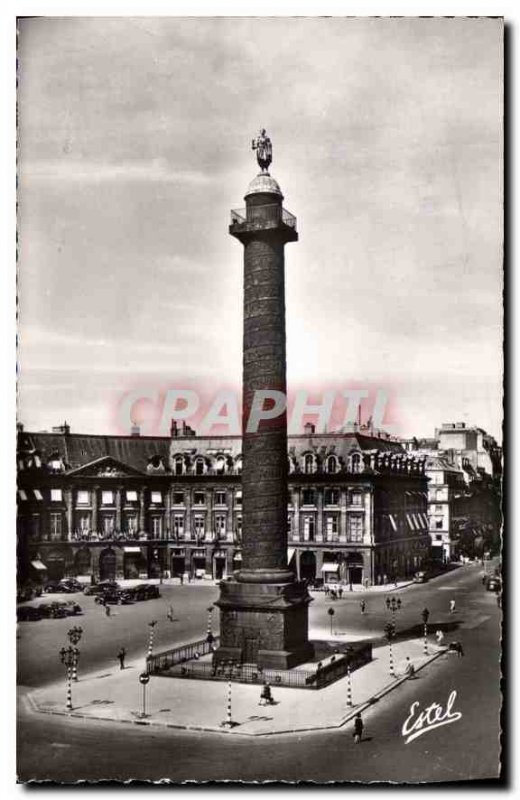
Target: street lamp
[(151, 626), (330, 612), (68, 657), (425, 614), (143, 680), (389, 634), (209, 635), (74, 635)]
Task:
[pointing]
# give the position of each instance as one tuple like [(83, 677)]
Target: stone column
[(296, 513), (168, 522), (119, 511), (142, 509), (343, 497), (187, 519), (95, 501), (319, 514), (69, 513)]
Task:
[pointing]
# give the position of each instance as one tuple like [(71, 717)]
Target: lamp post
[(228, 722), (389, 634), (74, 635), (151, 633), (143, 680), (425, 616), (349, 687), (330, 612), (67, 658), (209, 636)]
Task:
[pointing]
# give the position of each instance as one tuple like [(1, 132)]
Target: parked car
[(53, 610), (56, 587), (115, 596), (99, 588), (28, 614), (72, 584), (493, 584), (144, 591), (28, 591), (420, 577)]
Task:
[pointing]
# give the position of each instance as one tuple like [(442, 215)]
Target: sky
[(134, 143)]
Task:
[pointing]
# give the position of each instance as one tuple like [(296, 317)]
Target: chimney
[(173, 429), (309, 428), (65, 428), (135, 430)]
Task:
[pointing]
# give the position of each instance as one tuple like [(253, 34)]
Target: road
[(67, 750)]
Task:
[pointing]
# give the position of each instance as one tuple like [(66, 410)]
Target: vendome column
[(264, 609)]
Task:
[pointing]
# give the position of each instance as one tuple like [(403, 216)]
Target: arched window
[(309, 464), (355, 462), (238, 465), (332, 464), (220, 465), (178, 465), (200, 466)]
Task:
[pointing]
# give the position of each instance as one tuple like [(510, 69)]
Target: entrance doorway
[(133, 564), (355, 568), (220, 568), (107, 565), (55, 568), (177, 566), (308, 566)]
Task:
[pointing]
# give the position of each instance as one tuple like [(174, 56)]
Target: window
[(438, 508), (131, 523), (439, 494), (157, 527), (438, 524), (238, 465), (220, 498), (308, 497), (332, 464), (35, 526), (56, 496), (357, 499), (107, 498), (156, 497), (198, 525), (331, 497), (178, 498), (83, 498), (131, 497), (220, 465), (289, 524), (55, 465), (355, 529), (108, 524), (84, 522), (308, 464), (238, 498), (178, 525), (331, 528), (438, 537), (55, 527), (178, 465), (355, 462), (200, 467), (199, 498), (38, 495), (22, 494), (309, 526), (238, 526), (220, 524)]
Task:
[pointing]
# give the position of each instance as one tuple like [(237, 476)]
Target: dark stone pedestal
[(264, 624)]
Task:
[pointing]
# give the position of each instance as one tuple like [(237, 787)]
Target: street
[(63, 749)]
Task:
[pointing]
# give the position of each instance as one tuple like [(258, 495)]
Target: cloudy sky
[(134, 139)]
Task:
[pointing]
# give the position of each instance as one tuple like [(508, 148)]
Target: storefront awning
[(411, 522), (392, 521), (290, 554), (330, 567), (132, 549), (38, 565)]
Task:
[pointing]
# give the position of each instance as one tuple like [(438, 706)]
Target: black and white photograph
[(259, 414)]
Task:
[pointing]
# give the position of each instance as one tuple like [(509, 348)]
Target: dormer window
[(200, 466), (309, 464), (355, 462), (332, 465), (178, 465), (55, 464), (220, 465), (238, 465)]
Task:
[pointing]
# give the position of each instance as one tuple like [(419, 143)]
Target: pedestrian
[(121, 656), (107, 609), (385, 579), (169, 614), (452, 606), (440, 637), (387, 601), (395, 583), (358, 728), (365, 582), (266, 698), (409, 669), (326, 590), (340, 592), (362, 606), (182, 580)]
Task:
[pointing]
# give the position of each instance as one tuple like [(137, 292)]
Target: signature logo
[(434, 716)]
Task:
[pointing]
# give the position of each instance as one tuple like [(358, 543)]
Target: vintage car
[(28, 614), (114, 597), (99, 588), (144, 591)]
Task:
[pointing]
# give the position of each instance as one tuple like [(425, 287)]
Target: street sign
[(144, 678)]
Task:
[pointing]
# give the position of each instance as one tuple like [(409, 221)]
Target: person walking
[(452, 606), (362, 606), (107, 609), (358, 728), (409, 669), (340, 592), (266, 698), (440, 637), (121, 656), (169, 614), (387, 601)]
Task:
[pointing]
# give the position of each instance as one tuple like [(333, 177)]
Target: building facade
[(142, 507)]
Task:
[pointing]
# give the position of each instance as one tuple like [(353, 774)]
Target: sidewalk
[(116, 696)]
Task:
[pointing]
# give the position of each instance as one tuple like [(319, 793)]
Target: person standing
[(362, 606), (440, 637), (452, 606), (121, 656), (358, 728), (409, 669), (107, 609), (169, 614)]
